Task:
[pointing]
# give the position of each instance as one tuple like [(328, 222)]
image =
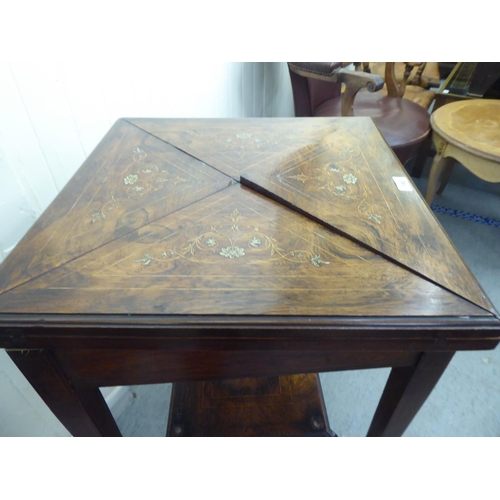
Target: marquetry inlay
[(156, 222), (233, 237), (130, 180), (147, 174)]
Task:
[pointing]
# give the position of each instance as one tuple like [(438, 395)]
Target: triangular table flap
[(235, 253), (351, 181), (234, 146), (130, 179)]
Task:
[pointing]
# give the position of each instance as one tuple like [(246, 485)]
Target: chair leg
[(438, 165), (446, 177)]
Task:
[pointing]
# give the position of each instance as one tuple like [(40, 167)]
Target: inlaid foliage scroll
[(236, 252), (131, 179), (153, 223), (234, 146), (347, 181), (336, 170)]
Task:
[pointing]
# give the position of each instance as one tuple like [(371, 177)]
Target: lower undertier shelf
[(272, 406)]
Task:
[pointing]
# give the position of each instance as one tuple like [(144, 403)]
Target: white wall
[(51, 118), (53, 115)]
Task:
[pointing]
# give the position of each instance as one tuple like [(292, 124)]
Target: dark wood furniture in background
[(204, 250), (411, 81), (317, 91), (445, 68), (467, 80)]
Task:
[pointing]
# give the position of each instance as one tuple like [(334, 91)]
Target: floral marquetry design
[(315, 237), (131, 179), (342, 178), (232, 252), (146, 260), (316, 261), (147, 177), (350, 179), (301, 177), (245, 143), (376, 218), (335, 177), (232, 240)]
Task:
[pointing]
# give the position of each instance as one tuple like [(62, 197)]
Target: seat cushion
[(415, 94), (402, 123)]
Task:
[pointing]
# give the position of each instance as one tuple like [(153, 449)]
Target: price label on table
[(402, 183)]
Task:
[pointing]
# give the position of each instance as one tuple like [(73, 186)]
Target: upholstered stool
[(317, 91), (402, 123)]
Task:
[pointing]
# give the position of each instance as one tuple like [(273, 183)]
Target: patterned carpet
[(465, 215)]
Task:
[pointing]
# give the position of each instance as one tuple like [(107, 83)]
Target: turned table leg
[(82, 411), (405, 392)]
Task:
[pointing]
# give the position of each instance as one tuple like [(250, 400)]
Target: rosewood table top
[(236, 234)]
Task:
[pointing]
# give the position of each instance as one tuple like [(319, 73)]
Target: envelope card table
[(191, 250)]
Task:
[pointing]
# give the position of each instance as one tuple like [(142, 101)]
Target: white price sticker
[(403, 183)]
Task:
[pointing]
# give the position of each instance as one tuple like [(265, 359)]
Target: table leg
[(437, 168), (82, 411), (405, 392), (446, 177)]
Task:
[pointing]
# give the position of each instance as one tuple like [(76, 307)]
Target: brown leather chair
[(317, 91)]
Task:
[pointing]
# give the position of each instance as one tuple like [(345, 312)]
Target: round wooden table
[(469, 132)]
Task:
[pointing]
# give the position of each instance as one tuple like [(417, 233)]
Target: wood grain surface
[(129, 180), (271, 406), (235, 252), (108, 367), (338, 171), (348, 184), (236, 146), (472, 125), (155, 264), (154, 223)]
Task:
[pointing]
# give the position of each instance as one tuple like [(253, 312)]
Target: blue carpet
[(465, 215)]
